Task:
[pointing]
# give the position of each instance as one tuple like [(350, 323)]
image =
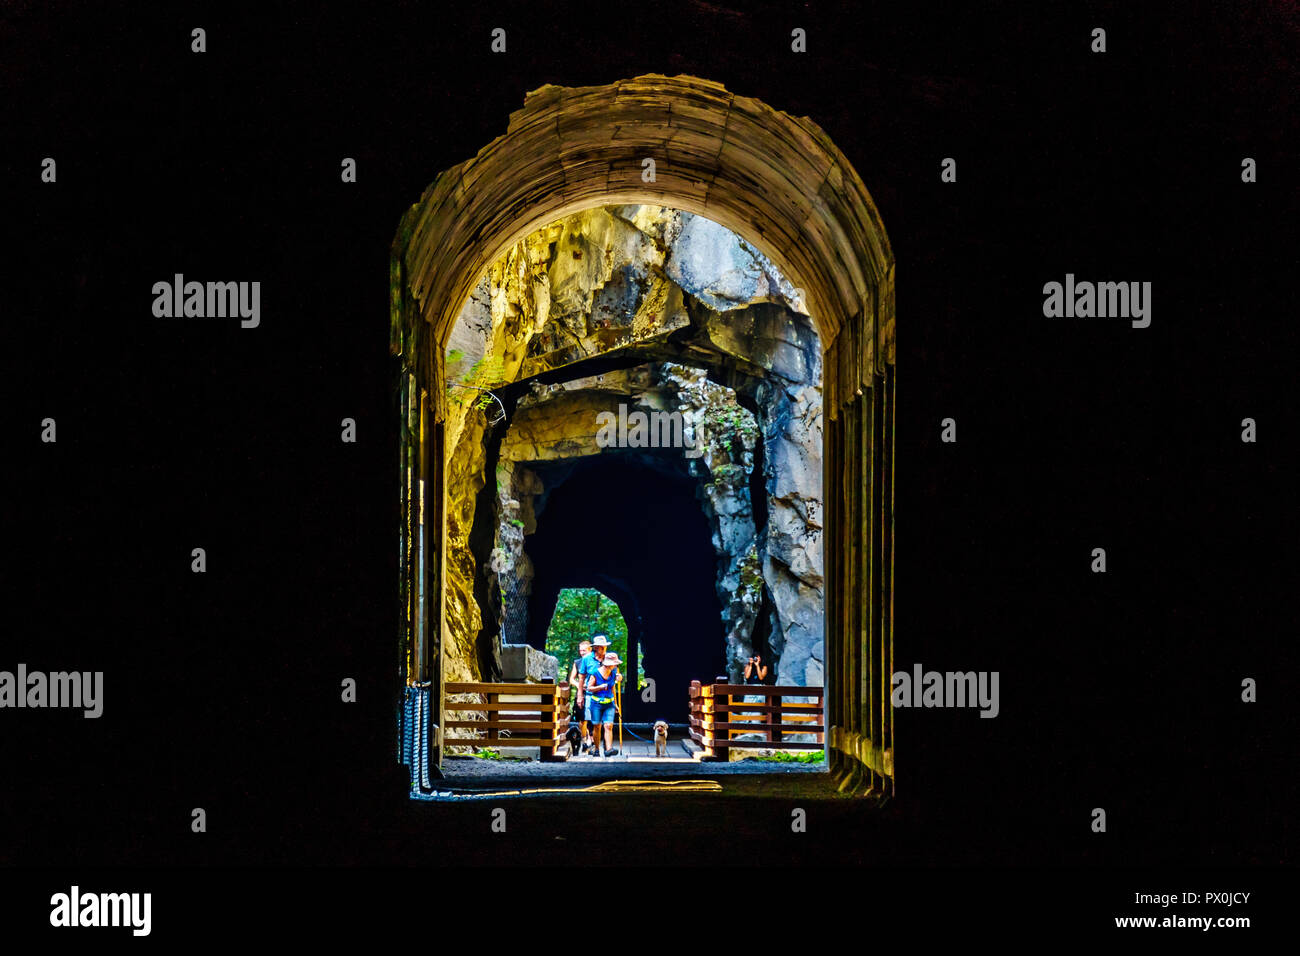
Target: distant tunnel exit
[(639, 537), (579, 615)]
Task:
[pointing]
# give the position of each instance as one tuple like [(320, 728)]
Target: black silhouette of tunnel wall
[(782, 185)]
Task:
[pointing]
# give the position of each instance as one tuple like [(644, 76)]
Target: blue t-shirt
[(586, 667), (607, 694)]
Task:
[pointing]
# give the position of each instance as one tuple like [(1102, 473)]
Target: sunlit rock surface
[(684, 305)]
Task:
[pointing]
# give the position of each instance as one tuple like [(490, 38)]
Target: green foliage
[(728, 473), (580, 613), (487, 371), (751, 575), (486, 754), (803, 756), (726, 418)]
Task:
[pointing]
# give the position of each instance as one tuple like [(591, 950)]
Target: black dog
[(574, 737)]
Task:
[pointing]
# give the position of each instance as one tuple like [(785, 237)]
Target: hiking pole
[(618, 708)]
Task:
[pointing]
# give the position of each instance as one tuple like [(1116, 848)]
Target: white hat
[(610, 659), (600, 641)]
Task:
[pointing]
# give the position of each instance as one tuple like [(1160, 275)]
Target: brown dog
[(661, 738)]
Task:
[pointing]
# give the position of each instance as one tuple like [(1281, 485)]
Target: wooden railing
[(719, 714), (518, 715)]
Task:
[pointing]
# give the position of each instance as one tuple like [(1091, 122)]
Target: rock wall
[(685, 305), (558, 422)]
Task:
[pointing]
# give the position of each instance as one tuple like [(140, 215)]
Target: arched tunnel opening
[(531, 302), (638, 535), (634, 395)]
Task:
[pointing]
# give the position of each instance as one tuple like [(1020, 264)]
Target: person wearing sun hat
[(600, 698), (587, 666)]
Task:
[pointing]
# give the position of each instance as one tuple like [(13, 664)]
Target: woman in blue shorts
[(600, 700)]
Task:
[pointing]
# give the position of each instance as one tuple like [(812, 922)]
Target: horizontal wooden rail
[(768, 690), (747, 727), (749, 708), (759, 745), (523, 706), (463, 687)]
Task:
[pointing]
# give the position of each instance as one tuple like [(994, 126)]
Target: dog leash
[(618, 706)]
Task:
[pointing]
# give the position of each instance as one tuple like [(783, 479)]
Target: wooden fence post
[(548, 748), (721, 717)]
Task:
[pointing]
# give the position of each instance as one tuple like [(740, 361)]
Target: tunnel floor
[(636, 759)]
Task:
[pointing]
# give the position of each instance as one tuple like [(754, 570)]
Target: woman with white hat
[(600, 699)]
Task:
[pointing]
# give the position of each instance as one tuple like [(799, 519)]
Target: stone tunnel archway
[(780, 183)]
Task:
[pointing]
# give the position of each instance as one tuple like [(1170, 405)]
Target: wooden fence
[(719, 713), (517, 715)]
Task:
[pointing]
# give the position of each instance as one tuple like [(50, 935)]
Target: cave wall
[(656, 283), (557, 423)]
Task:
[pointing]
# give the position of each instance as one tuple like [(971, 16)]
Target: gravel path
[(636, 761)]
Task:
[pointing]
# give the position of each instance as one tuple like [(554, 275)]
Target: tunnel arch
[(782, 185), (776, 180)]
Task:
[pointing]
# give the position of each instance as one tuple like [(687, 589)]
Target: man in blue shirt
[(579, 671)]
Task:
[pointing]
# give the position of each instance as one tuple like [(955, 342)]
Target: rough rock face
[(791, 545), (683, 304), (720, 269)]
